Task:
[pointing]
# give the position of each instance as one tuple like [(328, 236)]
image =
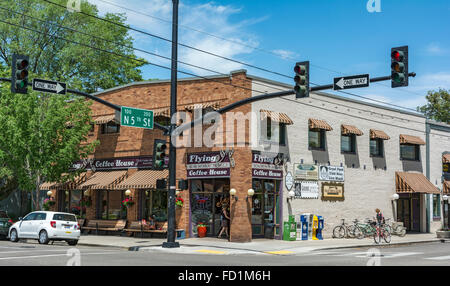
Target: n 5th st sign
[(135, 117)]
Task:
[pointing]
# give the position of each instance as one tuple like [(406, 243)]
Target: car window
[(65, 217), (3, 214), (40, 216), (30, 216)]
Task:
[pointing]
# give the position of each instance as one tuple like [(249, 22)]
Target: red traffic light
[(396, 55), (300, 69)]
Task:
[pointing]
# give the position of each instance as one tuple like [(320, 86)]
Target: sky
[(338, 37)]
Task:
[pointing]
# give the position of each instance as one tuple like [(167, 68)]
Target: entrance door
[(415, 204), (403, 212), (263, 208)]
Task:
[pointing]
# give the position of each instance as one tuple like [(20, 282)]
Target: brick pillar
[(240, 211), (132, 212), (91, 211)]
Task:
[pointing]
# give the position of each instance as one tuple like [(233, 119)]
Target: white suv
[(45, 226)]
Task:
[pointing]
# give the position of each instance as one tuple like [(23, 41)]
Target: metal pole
[(171, 243)]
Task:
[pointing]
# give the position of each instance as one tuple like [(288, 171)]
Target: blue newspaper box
[(319, 228), (305, 226)]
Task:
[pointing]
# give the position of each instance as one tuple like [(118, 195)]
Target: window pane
[(75, 203), (346, 143), (436, 206), (376, 148), (408, 152), (159, 205), (115, 205), (314, 139)]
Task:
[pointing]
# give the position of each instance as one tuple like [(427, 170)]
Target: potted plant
[(179, 202), (201, 229), (48, 203), (443, 233), (127, 203)]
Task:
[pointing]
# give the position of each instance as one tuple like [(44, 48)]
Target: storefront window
[(75, 204), (409, 152), (111, 205), (436, 206), (376, 147), (159, 205)]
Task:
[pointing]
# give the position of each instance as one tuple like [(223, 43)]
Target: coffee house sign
[(267, 165), (143, 162), (209, 164)]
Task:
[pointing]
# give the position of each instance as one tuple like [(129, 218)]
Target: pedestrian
[(379, 218), (225, 221)]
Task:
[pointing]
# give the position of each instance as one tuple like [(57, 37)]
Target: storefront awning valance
[(319, 124), (350, 129), (446, 187), (214, 104), (46, 186), (446, 158), (104, 119), (413, 183), (143, 179), (165, 112), (378, 134), (276, 116), (72, 184), (409, 139), (104, 180)]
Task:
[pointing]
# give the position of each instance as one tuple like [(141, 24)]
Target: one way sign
[(49, 86), (353, 81)]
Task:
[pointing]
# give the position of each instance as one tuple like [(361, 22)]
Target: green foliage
[(438, 106)]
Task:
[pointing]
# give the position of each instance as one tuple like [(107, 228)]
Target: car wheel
[(43, 237), (13, 236), (72, 242)]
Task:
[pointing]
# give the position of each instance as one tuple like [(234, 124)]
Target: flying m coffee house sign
[(267, 165), (142, 162), (209, 165)]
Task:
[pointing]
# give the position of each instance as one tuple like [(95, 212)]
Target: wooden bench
[(105, 225), (137, 227)]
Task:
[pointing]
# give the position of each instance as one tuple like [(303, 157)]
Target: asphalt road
[(60, 254)]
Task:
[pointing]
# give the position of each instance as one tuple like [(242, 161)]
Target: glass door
[(263, 208)]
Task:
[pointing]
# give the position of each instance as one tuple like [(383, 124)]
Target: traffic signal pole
[(171, 243)]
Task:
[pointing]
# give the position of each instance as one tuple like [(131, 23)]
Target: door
[(415, 206), (403, 212), (36, 224), (263, 208), (26, 225)]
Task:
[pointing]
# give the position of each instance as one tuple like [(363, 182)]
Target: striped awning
[(165, 112), (72, 184), (143, 179), (46, 186), (446, 187), (104, 180), (414, 183), (214, 104), (276, 116), (104, 119), (350, 129), (319, 124), (446, 158), (378, 134), (408, 139)]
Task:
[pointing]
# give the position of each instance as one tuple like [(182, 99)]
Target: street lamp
[(250, 193), (233, 194), (291, 195), (444, 200), (394, 199), (49, 193)]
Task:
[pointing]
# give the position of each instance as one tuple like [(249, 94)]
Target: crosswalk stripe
[(439, 258)]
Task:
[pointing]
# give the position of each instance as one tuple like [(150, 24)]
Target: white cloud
[(284, 54), (435, 49)]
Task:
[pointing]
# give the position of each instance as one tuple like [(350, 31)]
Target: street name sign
[(49, 86), (136, 117), (353, 81)]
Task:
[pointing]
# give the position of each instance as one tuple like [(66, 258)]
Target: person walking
[(379, 217), (225, 221)]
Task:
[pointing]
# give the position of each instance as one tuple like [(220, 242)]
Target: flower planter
[(201, 230), (444, 234)]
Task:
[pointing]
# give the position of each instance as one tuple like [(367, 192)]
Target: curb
[(385, 245)]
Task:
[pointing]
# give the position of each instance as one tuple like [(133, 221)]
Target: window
[(316, 139), (410, 152), (274, 132), (41, 216), (64, 217), (111, 205), (348, 143), (110, 128), (436, 206), (30, 216), (376, 147)]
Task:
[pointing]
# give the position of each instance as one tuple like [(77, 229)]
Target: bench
[(137, 227), (105, 225)]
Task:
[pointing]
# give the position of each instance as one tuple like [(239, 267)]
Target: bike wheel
[(359, 234), (339, 231), (387, 235), (351, 231), (377, 237), (400, 231)]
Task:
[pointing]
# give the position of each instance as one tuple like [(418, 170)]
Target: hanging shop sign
[(267, 165), (331, 173), (306, 190), (307, 172), (332, 191), (209, 165), (143, 162), (289, 181)]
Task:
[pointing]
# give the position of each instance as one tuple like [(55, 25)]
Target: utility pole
[(171, 243)]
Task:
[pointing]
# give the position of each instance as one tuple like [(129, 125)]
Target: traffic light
[(301, 79), (159, 149), (399, 66), (19, 74)]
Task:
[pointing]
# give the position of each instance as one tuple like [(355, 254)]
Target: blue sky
[(337, 37)]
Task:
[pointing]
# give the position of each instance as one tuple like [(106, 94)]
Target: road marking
[(51, 255), (279, 252), (393, 255), (439, 258), (210, 251)]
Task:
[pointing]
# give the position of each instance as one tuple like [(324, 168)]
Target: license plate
[(67, 226), (68, 232)]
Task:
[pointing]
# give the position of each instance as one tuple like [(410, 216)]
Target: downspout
[(427, 167)]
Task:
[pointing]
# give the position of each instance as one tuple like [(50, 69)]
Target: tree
[(438, 106), (41, 135)]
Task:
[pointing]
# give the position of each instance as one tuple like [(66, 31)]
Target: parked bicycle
[(340, 231), (396, 228), (381, 232)]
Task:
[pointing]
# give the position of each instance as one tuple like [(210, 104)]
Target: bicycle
[(355, 230), (396, 228), (367, 229), (381, 232), (340, 231)]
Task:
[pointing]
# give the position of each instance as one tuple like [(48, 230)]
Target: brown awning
[(104, 119), (378, 134), (276, 116), (319, 124), (413, 183), (46, 186), (143, 179), (446, 187), (446, 158), (214, 104), (104, 180), (350, 129), (72, 184), (408, 139), (161, 112)]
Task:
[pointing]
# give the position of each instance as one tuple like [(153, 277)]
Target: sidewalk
[(257, 246)]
